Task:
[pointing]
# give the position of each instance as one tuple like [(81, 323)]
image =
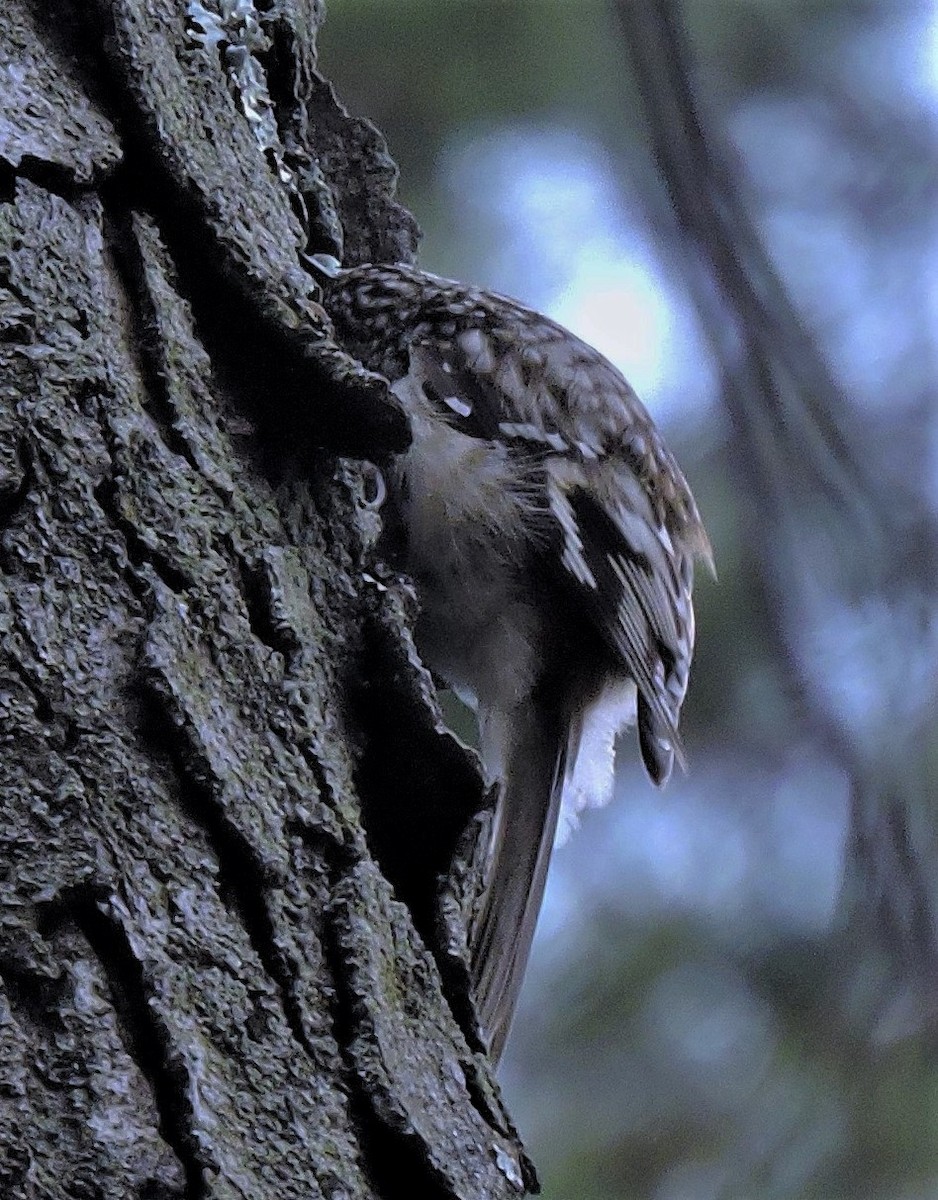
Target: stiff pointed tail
[(532, 749)]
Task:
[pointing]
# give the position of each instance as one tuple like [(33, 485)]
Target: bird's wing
[(614, 501)]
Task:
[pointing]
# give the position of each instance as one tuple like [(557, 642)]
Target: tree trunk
[(228, 966)]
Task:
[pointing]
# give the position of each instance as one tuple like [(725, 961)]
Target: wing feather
[(618, 509)]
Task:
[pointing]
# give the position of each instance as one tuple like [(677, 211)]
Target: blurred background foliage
[(733, 990)]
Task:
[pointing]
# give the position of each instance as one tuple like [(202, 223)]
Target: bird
[(551, 538)]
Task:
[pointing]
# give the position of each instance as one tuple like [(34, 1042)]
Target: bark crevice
[(207, 986)]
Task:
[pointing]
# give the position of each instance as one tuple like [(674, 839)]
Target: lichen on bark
[(217, 976)]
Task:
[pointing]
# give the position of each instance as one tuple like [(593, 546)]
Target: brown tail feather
[(522, 838)]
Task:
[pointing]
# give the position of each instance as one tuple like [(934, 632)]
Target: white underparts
[(467, 526), (591, 755)]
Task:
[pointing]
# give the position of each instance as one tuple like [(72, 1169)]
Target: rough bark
[(227, 964)]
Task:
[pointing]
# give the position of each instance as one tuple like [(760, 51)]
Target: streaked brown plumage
[(551, 537)]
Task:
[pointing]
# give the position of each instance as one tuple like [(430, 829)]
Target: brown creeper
[(551, 538)]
